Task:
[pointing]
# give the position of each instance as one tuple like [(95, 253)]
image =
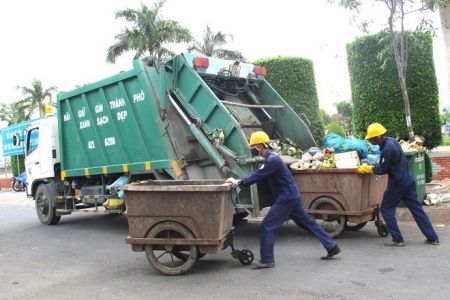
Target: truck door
[(32, 157)]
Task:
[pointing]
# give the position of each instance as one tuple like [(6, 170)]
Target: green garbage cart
[(420, 170)]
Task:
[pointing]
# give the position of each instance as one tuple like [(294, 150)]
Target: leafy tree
[(17, 164), (398, 10), (13, 113), (377, 96), (212, 46), (335, 127), (345, 111), (445, 117), (148, 33), (34, 98), (325, 117), (293, 79)]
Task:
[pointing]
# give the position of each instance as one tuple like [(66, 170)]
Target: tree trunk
[(407, 109)]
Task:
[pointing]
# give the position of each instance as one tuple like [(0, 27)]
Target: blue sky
[(63, 43)]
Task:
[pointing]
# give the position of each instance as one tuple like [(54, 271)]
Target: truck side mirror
[(16, 139)]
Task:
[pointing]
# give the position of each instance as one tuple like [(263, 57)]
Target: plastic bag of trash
[(114, 203), (373, 159), (374, 149), (342, 145), (314, 150), (306, 157), (300, 165)]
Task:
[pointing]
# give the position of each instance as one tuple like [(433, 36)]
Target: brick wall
[(5, 183), (441, 165)]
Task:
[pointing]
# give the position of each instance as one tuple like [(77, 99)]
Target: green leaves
[(212, 46), (293, 78), (148, 32), (34, 98), (376, 91)]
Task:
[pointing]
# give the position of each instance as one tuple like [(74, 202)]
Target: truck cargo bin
[(157, 120)]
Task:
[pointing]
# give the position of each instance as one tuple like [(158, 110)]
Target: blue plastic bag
[(341, 145)]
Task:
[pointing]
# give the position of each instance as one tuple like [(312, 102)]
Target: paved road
[(85, 257)]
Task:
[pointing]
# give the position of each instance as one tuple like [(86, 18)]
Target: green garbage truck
[(181, 118)]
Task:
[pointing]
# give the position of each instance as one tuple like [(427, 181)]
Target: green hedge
[(293, 78), (376, 92), (14, 170)]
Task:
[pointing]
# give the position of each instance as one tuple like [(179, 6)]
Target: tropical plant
[(34, 99), (212, 46), (13, 113), (148, 33)]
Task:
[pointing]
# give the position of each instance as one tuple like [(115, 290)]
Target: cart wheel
[(333, 224), (354, 227), (184, 256), (382, 230), (246, 257), (161, 257)]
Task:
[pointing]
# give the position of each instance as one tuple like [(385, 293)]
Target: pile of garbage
[(438, 192), (417, 145), (285, 147), (315, 158), (360, 152)]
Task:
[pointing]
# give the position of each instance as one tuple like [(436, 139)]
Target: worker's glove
[(365, 170), (232, 181)]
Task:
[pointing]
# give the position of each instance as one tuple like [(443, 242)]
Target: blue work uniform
[(287, 204), (401, 185)]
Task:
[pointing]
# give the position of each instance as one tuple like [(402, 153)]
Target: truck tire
[(45, 210)]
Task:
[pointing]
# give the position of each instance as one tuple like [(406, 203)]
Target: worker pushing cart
[(287, 202)]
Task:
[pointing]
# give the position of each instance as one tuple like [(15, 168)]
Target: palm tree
[(212, 46), (34, 98), (13, 113), (148, 33)]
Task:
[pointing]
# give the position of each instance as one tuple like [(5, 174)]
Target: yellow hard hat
[(375, 129), (258, 137)]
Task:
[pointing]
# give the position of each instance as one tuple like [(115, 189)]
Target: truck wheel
[(238, 217), (161, 257), (44, 209), (333, 224)]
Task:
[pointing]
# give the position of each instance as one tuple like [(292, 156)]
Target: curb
[(438, 214)]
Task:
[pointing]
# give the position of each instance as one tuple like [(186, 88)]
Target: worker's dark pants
[(277, 215), (391, 198)]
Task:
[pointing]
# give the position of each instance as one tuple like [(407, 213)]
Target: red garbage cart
[(341, 199), (176, 222), (338, 198)]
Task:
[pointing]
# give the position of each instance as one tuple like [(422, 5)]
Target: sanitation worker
[(401, 185), (287, 202)]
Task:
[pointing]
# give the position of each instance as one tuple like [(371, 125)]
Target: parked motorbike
[(19, 183)]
